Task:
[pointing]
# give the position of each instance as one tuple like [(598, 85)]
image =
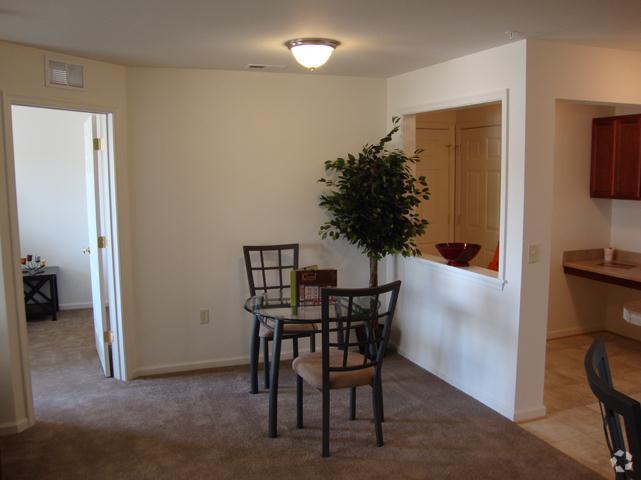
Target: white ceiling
[(380, 38)]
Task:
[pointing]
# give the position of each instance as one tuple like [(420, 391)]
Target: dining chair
[(268, 268), (337, 365), (614, 405)]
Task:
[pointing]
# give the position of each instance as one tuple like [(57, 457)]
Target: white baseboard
[(568, 332), (11, 428), (483, 397), (75, 306), (201, 365), (527, 414)]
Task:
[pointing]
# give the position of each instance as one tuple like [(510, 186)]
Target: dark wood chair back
[(361, 317), (615, 405), (268, 268)]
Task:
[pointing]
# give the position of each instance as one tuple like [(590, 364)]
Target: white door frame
[(451, 127), (14, 292)]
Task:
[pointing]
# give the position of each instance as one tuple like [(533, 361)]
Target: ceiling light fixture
[(312, 52)]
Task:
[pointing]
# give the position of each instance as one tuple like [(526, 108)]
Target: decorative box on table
[(306, 284)]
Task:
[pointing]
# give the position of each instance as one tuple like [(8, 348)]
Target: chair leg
[(377, 414), (361, 336), (380, 398), (254, 350), (295, 346), (299, 402), (272, 428), (266, 360), (352, 403), (325, 451), (312, 342)]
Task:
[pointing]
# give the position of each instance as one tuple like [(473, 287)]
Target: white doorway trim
[(13, 289)]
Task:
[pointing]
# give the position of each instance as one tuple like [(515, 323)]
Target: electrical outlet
[(204, 316), (534, 253)]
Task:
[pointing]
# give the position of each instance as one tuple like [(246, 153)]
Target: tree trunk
[(373, 272)]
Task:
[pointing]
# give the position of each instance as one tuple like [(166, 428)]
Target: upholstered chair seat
[(309, 366)]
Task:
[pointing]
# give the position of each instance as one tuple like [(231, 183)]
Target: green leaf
[(371, 199)]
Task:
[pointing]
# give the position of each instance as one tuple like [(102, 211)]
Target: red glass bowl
[(458, 254)]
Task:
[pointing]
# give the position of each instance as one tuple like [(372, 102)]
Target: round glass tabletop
[(279, 308)]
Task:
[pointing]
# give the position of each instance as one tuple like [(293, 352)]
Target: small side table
[(41, 291)]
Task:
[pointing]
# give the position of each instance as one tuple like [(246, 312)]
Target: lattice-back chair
[(339, 364), (268, 269), (624, 444)]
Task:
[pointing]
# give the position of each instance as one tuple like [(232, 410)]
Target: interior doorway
[(580, 309), (65, 191)]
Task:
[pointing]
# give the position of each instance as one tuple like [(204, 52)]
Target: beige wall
[(454, 324), (576, 304), (490, 114), (220, 160), (22, 79)]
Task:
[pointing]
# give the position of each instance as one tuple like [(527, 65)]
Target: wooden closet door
[(627, 168), (603, 152)]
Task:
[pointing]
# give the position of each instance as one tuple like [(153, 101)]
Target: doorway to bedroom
[(66, 221)]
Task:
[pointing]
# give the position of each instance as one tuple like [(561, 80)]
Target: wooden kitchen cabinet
[(616, 157)]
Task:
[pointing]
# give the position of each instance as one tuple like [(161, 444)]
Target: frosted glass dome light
[(312, 52)]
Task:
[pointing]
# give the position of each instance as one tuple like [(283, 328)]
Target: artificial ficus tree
[(372, 199)]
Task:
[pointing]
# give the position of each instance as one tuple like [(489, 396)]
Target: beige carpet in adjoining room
[(207, 426)]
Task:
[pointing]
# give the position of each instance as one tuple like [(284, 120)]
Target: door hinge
[(109, 337), (102, 242), (98, 143)]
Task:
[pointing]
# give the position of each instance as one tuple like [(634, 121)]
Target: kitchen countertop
[(624, 270)]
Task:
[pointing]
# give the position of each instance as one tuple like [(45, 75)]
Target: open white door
[(94, 157)]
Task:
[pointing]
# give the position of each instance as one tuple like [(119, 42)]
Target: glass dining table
[(275, 311)]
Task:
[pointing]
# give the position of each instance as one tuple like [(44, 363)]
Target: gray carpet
[(207, 425)]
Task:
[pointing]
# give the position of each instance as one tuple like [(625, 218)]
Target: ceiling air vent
[(262, 66), (66, 75)]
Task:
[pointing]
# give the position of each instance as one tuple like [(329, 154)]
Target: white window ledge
[(473, 273)]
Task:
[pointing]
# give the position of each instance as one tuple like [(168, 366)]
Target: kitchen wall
[(491, 344), (454, 324), (559, 71), (52, 199), (22, 79), (220, 160), (576, 305)]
